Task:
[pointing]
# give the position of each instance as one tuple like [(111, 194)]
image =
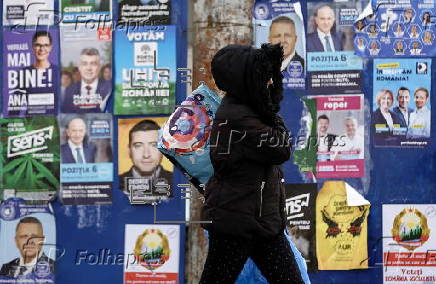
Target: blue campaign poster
[(396, 29), (401, 102), (332, 65), (282, 22), (145, 70)]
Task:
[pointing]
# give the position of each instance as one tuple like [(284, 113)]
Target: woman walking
[(244, 198)]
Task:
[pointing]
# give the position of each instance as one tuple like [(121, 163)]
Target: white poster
[(152, 254), (409, 254)]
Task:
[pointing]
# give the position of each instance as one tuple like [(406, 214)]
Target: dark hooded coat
[(245, 196)]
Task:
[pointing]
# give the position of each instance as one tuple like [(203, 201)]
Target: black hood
[(243, 72)]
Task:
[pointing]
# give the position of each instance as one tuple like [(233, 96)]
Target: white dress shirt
[(388, 118), (323, 143), (345, 143), (415, 51), (420, 122)]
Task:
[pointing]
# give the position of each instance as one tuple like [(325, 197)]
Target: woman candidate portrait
[(384, 117)]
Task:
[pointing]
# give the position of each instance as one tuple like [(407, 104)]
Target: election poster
[(300, 219), (334, 143), (27, 242), (332, 65), (144, 174), (341, 227), (145, 70), (396, 29), (30, 72), (144, 12), (28, 12), (77, 11), (86, 158), (401, 113), (30, 158), (86, 59), (151, 254), (282, 22), (409, 243)]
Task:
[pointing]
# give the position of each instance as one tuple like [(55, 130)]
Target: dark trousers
[(227, 256)]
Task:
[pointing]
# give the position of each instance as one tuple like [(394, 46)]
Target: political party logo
[(152, 249), (145, 53), (42, 269), (410, 229), (295, 204), (421, 68), (29, 142), (7, 211), (295, 69)]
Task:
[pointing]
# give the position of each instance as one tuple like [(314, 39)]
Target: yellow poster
[(341, 229)]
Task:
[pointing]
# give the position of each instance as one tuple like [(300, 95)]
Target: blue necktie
[(327, 43), (79, 156)]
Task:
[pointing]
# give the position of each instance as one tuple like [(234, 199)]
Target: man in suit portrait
[(416, 48), (420, 118), (29, 238), (361, 45), (324, 38), (77, 149), (144, 155), (402, 110), (91, 93), (414, 33), (351, 140), (399, 48), (372, 31), (282, 30), (373, 48), (408, 15), (325, 139)]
